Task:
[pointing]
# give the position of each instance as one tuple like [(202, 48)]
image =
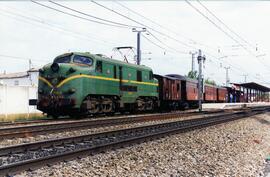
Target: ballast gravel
[(236, 148), (69, 133)]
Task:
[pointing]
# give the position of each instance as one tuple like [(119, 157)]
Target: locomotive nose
[(55, 67)]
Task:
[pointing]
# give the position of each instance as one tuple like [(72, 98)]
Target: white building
[(15, 91), (27, 78)]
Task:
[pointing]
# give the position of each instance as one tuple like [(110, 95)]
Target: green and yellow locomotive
[(84, 83)]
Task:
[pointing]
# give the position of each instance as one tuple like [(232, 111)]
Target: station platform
[(211, 106)]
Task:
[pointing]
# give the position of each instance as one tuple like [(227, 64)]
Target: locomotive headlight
[(71, 90), (41, 70), (55, 67)]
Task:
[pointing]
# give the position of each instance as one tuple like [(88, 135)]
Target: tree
[(210, 82), (192, 74)]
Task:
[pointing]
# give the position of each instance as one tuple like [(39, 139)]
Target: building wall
[(30, 80), (14, 101)]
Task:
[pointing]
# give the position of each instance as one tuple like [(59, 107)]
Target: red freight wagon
[(210, 93), (169, 91), (222, 94), (191, 91)]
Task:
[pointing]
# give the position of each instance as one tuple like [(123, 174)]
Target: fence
[(14, 102)]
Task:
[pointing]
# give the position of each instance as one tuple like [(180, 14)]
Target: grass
[(21, 117)]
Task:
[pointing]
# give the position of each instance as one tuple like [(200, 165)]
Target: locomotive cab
[(59, 86)]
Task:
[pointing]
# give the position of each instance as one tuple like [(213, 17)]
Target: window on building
[(139, 76), (16, 82), (99, 66)]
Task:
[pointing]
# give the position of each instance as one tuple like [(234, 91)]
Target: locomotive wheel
[(140, 104), (107, 105), (91, 105)]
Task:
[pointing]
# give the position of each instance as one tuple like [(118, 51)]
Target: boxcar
[(210, 93), (189, 90), (169, 92), (222, 94)]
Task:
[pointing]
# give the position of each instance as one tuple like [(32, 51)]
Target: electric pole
[(192, 60), (30, 64), (245, 75), (200, 83), (227, 76), (138, 30)]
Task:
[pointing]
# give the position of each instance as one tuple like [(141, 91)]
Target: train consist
[(84, 83)]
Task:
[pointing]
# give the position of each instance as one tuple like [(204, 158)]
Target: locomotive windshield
[(65, 59), (82, 60)]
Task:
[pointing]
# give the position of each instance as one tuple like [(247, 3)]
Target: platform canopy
[(253, 85)]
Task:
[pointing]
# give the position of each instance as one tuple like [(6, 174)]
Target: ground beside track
[(233, 149), (69, 133)]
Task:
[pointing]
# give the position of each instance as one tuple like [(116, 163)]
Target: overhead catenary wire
[(148, 19), (163, 34), (221, 29), (148, 27), (129, 9), (218, 27), (230, 30), (217, 18), (153, 42), (76, 16), (178, 51), (21, 58), (89, 15), (54, 27)]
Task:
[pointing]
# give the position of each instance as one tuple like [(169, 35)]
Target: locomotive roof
[(182, 77), (110, 60), (172, 78)]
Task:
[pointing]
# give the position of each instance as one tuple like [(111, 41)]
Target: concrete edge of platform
[(207, 106)]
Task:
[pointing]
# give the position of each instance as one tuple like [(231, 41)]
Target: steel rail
[(106, 140), (31, 130), (25, 122)]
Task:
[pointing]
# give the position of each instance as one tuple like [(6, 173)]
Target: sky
[(29, 31)]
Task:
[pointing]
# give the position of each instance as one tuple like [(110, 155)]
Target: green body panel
[(86, 80)]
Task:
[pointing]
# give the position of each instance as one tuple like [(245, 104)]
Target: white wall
[(15, 100), (28, 80)]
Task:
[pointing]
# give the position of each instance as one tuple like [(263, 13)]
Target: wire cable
[(166, 44), (86, 14), (224, 24), (76, 16), (52, 27), (161, 33), (212, 22)]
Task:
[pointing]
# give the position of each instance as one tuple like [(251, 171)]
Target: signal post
[(200, 82)]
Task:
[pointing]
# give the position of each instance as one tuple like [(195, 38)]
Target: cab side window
[(139, 76), (150, 75), (99, 66), (114, 72)]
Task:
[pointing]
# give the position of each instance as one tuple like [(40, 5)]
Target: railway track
[(48, 120), (33, 155), (32, 130)]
